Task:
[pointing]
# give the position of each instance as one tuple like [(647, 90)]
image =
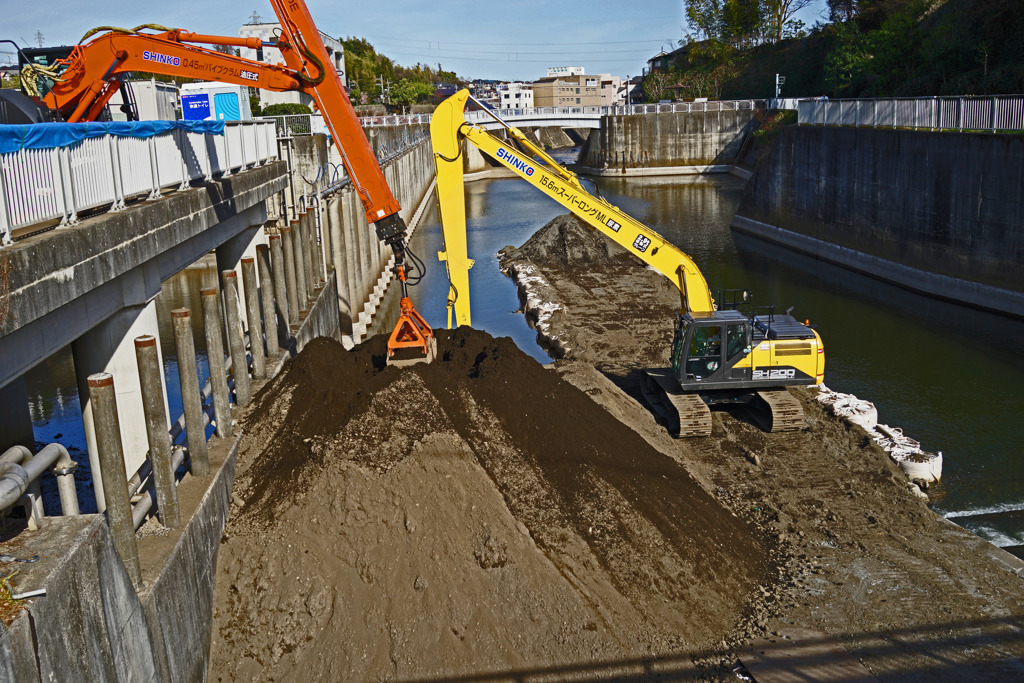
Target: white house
[(515, 95)]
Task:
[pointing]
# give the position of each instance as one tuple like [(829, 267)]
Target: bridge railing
[(57, 184), (989, 113), (306, 124)]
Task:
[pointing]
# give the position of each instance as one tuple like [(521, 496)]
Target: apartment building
[(515, 95), (567, 91)]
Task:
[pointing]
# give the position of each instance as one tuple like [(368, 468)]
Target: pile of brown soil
[(605, 296), (908, 593), (475, 515)]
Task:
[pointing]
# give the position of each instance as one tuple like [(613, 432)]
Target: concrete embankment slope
[(935, 212)]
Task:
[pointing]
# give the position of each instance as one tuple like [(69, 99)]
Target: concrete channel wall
[(92, 624), (934, 212), (670, 143)]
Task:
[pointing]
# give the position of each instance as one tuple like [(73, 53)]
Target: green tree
[(848, 59), (286, 108), (407, 93), (704, 17)]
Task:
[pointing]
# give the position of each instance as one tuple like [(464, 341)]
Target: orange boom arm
[(94, 71)]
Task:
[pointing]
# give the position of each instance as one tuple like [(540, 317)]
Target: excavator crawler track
[(778, 411), (684, 414)]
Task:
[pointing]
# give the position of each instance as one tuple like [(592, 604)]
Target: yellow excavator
[(718, 355)]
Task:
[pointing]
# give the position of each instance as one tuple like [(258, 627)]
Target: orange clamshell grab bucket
[(412, 332)]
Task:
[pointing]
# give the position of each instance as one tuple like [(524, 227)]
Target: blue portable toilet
[(215, 101)]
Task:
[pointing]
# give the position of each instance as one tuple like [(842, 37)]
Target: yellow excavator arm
[(448, 128)]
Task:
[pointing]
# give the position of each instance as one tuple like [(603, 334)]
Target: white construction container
[(154, 100)]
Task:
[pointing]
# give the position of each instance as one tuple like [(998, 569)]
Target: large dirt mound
[(568, 242), (475, 515), (588, 297)]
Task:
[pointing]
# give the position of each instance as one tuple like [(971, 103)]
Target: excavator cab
[(727, 350), (709, 349)]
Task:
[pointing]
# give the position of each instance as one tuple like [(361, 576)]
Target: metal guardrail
[(995, 113), (40, 185)]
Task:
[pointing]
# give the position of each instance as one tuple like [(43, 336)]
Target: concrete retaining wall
[(936, 212), (362, 261), (710, 141)]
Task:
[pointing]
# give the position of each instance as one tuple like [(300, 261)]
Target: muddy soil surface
[(476, 516), (911, 595)]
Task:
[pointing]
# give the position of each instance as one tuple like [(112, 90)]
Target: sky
[(507, 40)]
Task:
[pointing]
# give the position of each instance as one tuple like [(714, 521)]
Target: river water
[(948, 375)]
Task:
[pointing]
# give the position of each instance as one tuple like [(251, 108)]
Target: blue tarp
[(50, 135)]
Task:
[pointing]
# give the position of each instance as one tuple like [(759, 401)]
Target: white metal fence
[(997, 113), (40, 185)]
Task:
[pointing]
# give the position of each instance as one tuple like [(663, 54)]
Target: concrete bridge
[(531, 117)]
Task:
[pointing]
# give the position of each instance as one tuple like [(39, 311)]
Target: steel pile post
[(307, 256), (252, 312), (236, 340), (213, 321), (267, 299), (281, 294), (328, 235), (115, 481), (314, 246), (155, 410), (191, 399), (296, 282)]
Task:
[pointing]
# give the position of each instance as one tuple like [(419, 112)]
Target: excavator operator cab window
[(705, 353), (736, 341)]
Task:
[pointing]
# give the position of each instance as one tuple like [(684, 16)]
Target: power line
[(651, 41), (541, 52), (510, 59)]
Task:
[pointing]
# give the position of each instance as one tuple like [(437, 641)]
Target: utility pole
[(627, 90), (779, 81)]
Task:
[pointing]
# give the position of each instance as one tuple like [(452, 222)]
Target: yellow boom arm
[(448, 127)]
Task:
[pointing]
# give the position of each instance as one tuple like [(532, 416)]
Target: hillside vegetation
[(870, 48)]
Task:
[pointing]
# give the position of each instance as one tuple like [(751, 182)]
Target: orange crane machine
[(83, 83)]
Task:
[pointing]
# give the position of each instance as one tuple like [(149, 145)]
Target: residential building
[(567, 91), (612, 93), (269, 33), (515, 95), (554, 71), (486, 92)]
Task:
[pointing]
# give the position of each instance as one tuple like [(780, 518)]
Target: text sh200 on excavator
[(718, 354), (78, 88)]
